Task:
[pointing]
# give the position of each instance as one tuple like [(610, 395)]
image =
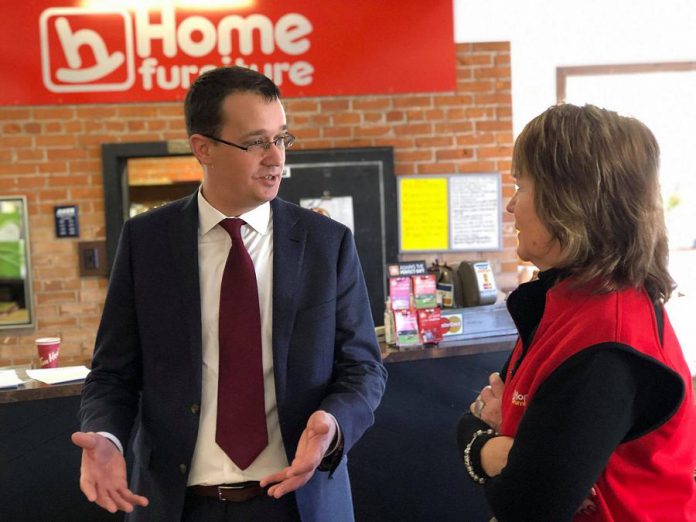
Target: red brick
[(51, 168), (453, 100), (479, 138), (453, 154), (415, 115), (338, 132), (54, 114), (342, 104), (16, 169), (377, 130), (493, 99), (476, 59), (476, 166), (412, 101), (60, 140), (373, 117), (53, 126), (436, 168), (367, 104), (11, 113), (454, 127), (414, 129), (396, 116), (11, 128), (492, 72), (294, 106), (413, 155), (304, 134), (502, 59), (475, 86), (68, 180), (437, 141), (30, 155), (494, 152), (492, 125), (11, 142), (491, 46), (99, 112), (66, 154), (404, 169), (138, 111), (32, 128), (435, 114)]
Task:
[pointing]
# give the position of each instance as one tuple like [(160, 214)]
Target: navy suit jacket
[(146, 370)]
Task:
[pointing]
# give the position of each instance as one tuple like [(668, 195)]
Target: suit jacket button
[(182, 469), (195, 408)]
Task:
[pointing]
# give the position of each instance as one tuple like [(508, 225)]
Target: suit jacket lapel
[(289, 238), (182, 232)]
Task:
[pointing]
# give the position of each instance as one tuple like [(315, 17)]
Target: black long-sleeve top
[(603, 396)]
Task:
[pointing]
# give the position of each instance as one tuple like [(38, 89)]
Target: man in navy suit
[(155, 365)]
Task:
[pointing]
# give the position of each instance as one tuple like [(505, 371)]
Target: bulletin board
[(450, 213), (357, 187)]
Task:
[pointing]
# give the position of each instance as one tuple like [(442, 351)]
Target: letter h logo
[(86, 50)]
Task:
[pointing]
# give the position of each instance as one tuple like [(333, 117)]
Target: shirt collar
[(208, 216)]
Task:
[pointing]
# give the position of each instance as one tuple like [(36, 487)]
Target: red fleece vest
[(648, 478)]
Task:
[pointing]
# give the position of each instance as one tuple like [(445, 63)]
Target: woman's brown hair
[(596, 188)]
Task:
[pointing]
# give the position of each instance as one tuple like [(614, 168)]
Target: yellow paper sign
[(424, 214)]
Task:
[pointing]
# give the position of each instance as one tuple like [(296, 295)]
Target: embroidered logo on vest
[(519, 399)]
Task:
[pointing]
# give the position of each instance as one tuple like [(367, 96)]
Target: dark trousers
[(261, 508)]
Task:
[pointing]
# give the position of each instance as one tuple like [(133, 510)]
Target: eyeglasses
[(259, 147)]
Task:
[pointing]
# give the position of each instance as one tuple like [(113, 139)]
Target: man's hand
[(103, 474), (314, 441), (488, 405)]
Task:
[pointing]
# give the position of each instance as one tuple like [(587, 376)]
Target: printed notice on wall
[(337, 208), (423, 206), (474, 212), (459, 212)]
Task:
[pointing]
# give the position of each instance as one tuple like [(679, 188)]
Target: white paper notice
[(339, 209), (58, 375), (9, 379), (475, 212)]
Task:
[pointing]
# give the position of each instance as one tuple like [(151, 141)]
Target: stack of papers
[(9, 379), (59, 375)]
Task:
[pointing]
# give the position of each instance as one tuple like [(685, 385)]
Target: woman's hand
[(488, 405), (494, 455)]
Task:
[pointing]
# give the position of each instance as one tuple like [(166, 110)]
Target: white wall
[(545, 34)]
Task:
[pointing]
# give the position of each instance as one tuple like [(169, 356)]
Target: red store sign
[(96, 51)]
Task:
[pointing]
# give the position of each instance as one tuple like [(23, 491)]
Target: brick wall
[(52, 155)]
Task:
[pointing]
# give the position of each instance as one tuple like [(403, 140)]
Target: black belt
[(240, 492)]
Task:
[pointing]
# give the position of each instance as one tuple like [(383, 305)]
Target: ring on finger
[(478, 407)]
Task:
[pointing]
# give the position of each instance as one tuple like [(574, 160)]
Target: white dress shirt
[(211, 465)]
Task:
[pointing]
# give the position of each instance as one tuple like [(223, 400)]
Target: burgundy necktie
[(241, 416)]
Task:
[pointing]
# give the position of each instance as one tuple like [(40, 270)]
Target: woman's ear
[(201, 148)]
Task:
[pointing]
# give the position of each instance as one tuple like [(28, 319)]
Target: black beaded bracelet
[(488, 434)]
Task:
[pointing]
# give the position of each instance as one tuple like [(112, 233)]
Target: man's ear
[(201, 148)]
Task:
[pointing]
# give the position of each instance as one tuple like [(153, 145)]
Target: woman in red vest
[(593, 416)]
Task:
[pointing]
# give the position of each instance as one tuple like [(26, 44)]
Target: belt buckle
[(230, 487)]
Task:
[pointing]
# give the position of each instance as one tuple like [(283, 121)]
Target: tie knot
[(233, 227)]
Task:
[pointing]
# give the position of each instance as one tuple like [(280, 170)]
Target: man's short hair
[(204, 100)]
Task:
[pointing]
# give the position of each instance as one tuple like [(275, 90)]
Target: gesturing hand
[(103, 474), (314, 442)]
